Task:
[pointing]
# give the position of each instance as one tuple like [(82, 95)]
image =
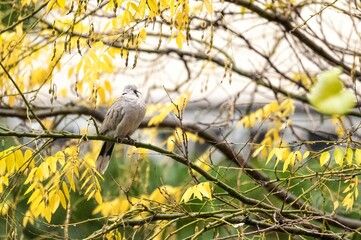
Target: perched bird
[(122, 119)]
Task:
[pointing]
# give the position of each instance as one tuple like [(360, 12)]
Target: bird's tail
[(103, 159)]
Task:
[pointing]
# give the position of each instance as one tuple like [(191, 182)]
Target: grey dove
[(122, 119)]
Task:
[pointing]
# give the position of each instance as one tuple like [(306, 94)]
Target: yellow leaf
[(90, 187), (98, 197), (209, 6), (163, 193), (93, 56), (289, 161), (66, 190), (39, 209), (171, 143), (107, 64), (298, 155), (84, 174), (133, 6), (101, 94), (35, 194), (50, 6), (5, 180), (63, 92), (270, 155), (187, 195), (270, 108), (86, 181), (54, 201), (32, 186), (4, 208), (108, 86), (349, 156), (252, 120), (164, 4), (62, 198), (30, 176), (21, 166), (2, 166), (306, 154), (181, 102), (79, 66), (11, 100), (52, 162), (358, 156), (19, 159), (335, 205), (25, 2), (143, 34), (244, 121), (26, 219), (127, 17), (179, 40), (338, 155), (61, 3), (348, 188), (43, 171), (39, 76), (37, 201), (197, 193), (348, 201), (205, 189), (71, 182), (279, 153), (325, 156), (47, 214), (153, 5), (10, 162), (60, 157), (155, 120), (91, 194), (356, 192)]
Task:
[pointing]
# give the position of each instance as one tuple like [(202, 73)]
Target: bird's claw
[(131, 140), (121, 140)]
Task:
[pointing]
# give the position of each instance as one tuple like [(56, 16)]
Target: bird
[(121, 120)]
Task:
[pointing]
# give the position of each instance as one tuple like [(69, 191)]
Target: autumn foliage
[(252, 127)]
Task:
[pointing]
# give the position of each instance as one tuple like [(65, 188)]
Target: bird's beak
[(137, 93)]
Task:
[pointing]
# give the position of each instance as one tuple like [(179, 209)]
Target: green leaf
[(329, 96)]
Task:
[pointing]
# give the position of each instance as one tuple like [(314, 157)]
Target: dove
[(121, 120)]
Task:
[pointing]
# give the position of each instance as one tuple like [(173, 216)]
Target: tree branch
[(260, 225), (29, 108), (278, 191), (287, 25)]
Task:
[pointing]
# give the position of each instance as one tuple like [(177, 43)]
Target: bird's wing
[(113, 117)]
